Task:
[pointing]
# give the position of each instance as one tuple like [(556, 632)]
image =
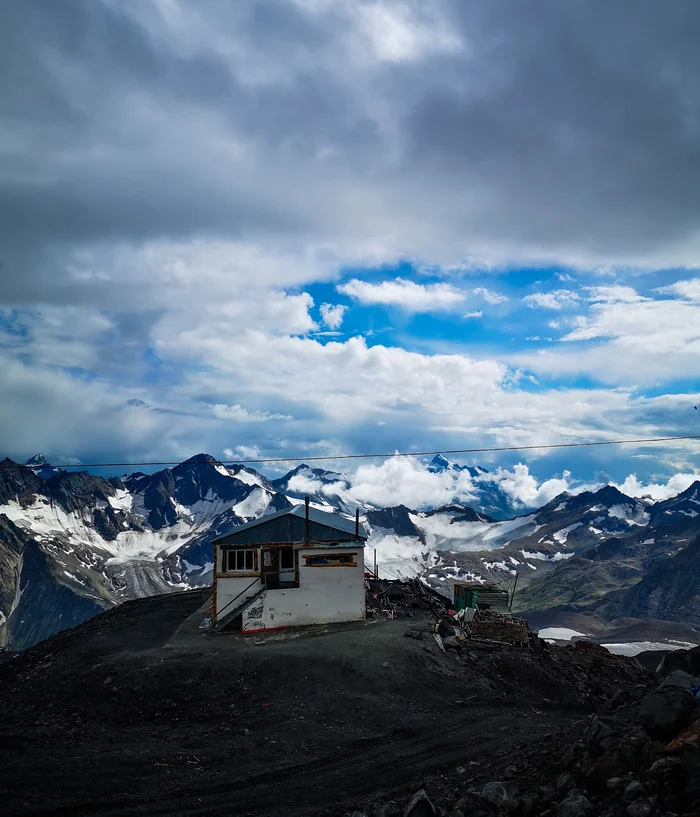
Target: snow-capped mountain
[(41, 467), (74, 543)]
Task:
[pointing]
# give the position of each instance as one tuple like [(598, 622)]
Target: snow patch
[(559, 634), (562, 535), (635, 647)]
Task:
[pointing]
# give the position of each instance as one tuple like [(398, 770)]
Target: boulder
[(452, 642), (665, 712), (633, 791), (679, 678), (640, 808), (565, 782), (501, 795), (420, 806), (575, 805), (601, 736)]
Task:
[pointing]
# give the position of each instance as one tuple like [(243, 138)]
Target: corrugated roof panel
[(290, 526)]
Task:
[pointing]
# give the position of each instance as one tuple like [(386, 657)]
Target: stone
[(420, 806), (640, 808), (501, 794), (356, 814), (564, 782), (616, 784), (678, 678), (452, 642), (390, 809), (633, 791), (575, 805), (666, 712), (413, 633), (456, 813), (601, 736)]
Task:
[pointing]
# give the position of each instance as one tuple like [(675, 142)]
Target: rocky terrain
[(72, 543), (136, 711)]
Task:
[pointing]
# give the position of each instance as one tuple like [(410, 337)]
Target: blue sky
[(333, 228)]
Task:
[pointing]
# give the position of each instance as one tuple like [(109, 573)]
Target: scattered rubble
[(641, 760)]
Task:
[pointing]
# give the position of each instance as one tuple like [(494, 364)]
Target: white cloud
[(405, 294), (489, 296), (332, 316), (658, 491), (557, 299), (406, 481), (689, 289), (242, 452), (238, 413), (524, 489), (476, 314)]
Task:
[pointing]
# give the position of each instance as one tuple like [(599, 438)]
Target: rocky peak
[(41, 467), (17, 482)]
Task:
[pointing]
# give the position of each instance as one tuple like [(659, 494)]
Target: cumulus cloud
[(689, 289), (558, 299), (238, 413), (489, 296), (524, 490), (332, 316), (407, 295), (242, 452), (406, 481), (657, 491)]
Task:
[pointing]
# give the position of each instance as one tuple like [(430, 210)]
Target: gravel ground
[(120, 716)]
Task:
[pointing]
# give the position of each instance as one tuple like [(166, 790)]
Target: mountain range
[(73, 543)]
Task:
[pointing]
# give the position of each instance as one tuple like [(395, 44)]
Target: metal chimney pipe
[(307, 533), (357, 523)]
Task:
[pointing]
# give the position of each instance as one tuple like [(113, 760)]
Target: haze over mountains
[(73, 544)]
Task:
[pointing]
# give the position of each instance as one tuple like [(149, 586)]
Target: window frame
[(241, 560)]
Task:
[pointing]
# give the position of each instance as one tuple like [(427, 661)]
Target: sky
[(309, 227)]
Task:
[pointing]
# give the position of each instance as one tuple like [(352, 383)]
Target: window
[(241, 560), (331, 560)]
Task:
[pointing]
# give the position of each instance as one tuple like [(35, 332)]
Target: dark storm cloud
[(566, 128)]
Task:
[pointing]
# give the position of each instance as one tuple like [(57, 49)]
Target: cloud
[(242, 452), (558, 299), (657, 491), (406, 481), (489, 296), (689, 289), (476, 314), (237, 413), (332, 316), (524, 490), (405, 294)]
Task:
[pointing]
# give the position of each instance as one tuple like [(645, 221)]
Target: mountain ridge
[(103, 540)]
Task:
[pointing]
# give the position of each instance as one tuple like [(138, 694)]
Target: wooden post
[(357, 523), (376, 575)]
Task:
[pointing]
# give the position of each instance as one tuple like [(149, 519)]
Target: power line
[(368, 456)]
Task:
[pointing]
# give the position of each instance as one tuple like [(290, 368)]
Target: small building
[(481, 596), (295, 567)]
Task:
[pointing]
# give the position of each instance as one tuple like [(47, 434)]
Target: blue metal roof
[(289, 526)]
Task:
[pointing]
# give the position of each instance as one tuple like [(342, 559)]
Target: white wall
[(325, 594), (227, 589)]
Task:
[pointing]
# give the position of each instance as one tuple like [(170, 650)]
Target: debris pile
[(483, 627)]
